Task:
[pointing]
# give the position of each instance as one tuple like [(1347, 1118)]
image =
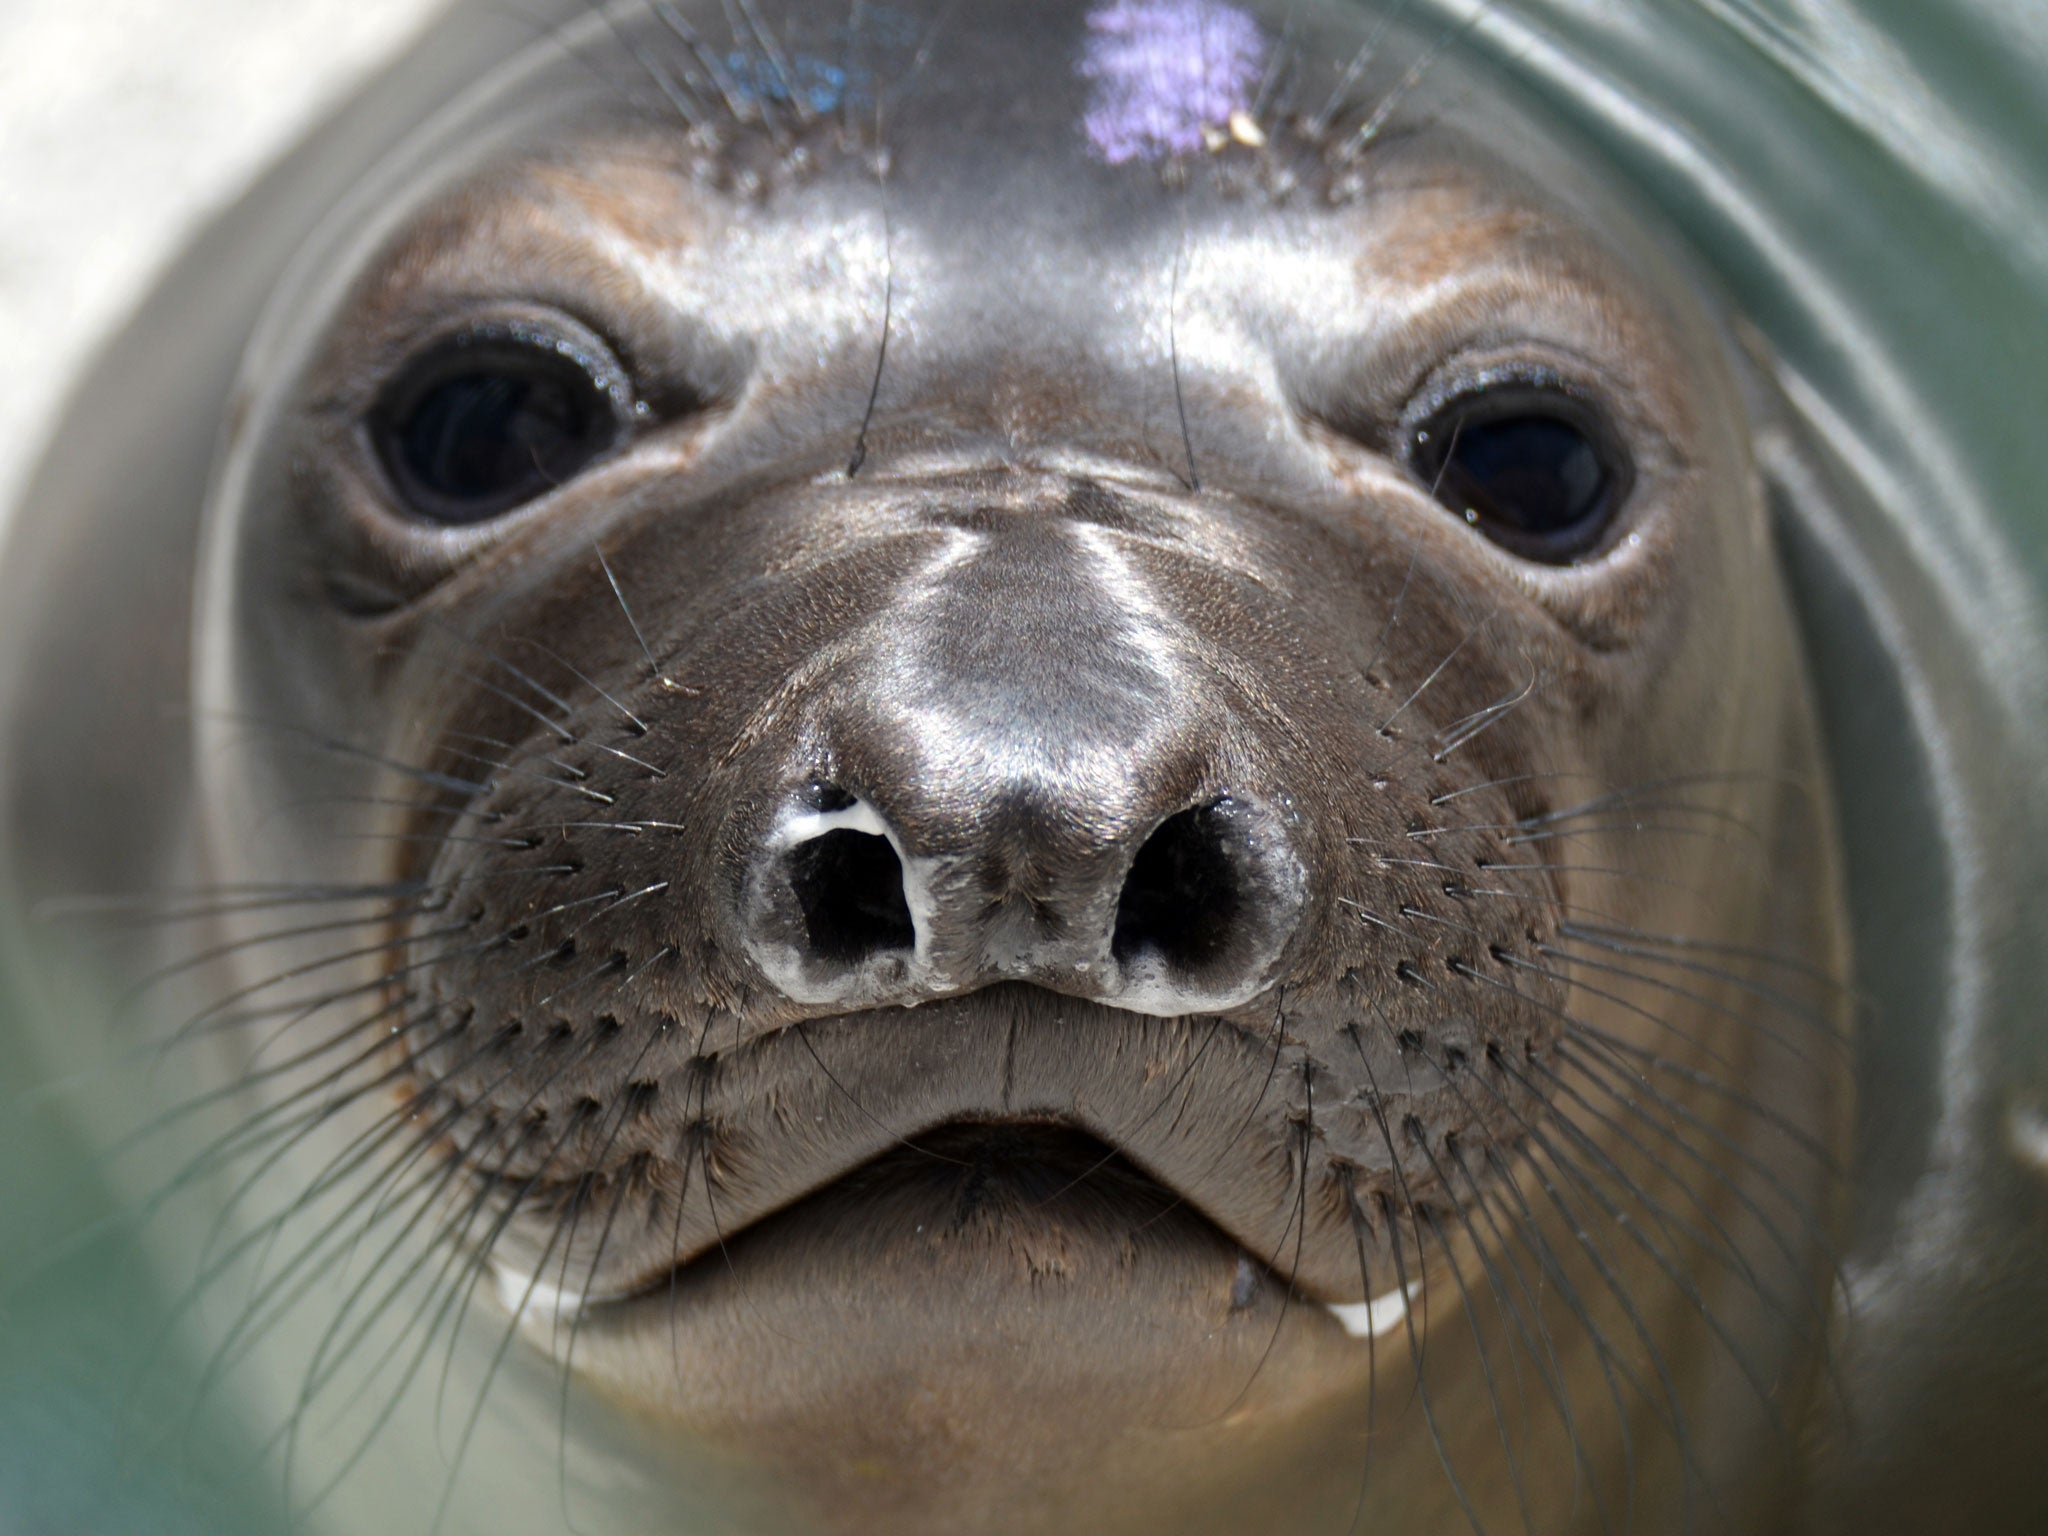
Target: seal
[(1020, 768)]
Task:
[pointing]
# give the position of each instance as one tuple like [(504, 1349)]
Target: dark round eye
[(482, 424), (1537, 470)]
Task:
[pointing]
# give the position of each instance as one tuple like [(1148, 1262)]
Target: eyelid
[(1466, 377), (1513, 387), (442, 362), (564, 338)]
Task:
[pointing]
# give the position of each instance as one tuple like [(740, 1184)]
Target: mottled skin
[(1019, 484)]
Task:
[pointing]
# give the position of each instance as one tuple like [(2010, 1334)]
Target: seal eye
[(481, 425), (1537, 470)]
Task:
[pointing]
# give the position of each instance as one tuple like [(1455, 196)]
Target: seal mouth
[(946, 1180), (973, 1173), (985, 1271), (954, 1159)]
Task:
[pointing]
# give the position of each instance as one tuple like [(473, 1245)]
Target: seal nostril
[(821, 795), (849, 887), (1183, 897)]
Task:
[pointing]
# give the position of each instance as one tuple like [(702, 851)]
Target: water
[(1870, 181)]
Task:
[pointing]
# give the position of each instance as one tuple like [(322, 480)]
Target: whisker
[(1438, 670), (1778, 1003), (1465, 1306), (1461, 733), (654, 671)]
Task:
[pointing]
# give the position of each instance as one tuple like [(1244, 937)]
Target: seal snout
[(1187, 913), (1021, 767)]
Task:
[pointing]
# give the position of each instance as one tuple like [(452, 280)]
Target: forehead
[(1023, 139), (1070, 116), (1131, 81)]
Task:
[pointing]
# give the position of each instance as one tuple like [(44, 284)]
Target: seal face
[(1051, 727)]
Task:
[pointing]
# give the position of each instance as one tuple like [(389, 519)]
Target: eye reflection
[(1535, 469), (482, 425)]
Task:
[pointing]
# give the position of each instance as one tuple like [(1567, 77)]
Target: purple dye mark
[(1164, 71)]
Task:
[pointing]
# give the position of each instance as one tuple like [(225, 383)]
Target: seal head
[(1057, 725)]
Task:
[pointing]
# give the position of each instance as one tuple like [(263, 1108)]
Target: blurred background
[(122, 124)]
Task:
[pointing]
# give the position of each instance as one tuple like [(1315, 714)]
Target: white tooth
[(1378, 1317), (531, 1299)]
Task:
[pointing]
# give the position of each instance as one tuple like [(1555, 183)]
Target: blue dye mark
[(755, 80), (839, 73), (1163, 71)]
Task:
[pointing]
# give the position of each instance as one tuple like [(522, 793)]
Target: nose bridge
[(1028, 673), (1023, 771)]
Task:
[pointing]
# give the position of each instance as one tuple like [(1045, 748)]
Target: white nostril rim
[(820, 918), (1231, 858), (803, 824), (837, 911)]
